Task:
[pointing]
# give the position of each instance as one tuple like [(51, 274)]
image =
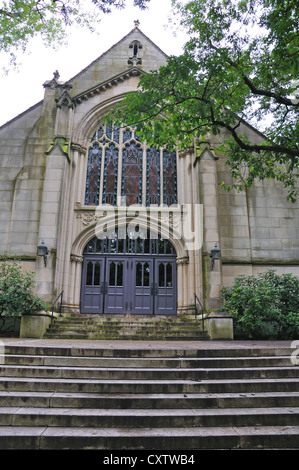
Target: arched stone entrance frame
[(108, 223), (86, 219), (88, 123)]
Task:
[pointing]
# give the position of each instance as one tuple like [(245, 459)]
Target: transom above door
[(129, 276)]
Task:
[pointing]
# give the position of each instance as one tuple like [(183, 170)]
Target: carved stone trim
[(181, 261), (133, 72), (172, 220), (77, 258), (78, 148), (65, 100)]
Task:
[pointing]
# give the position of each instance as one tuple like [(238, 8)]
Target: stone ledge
[(220, 325), (34, 325)]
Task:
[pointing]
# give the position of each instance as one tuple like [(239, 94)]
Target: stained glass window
[(117, 158), (132, 174), (122, 241), (153, 177), (110, 175), (169, 178), (93, 176)]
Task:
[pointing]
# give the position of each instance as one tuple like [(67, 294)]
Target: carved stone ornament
[(78, 148), (56, 83), (77, 258), (172, 220), (183, 260), (65, 100), (90, 217)]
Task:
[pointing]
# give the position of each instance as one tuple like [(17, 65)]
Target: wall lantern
[(215, 255), (42, 250)]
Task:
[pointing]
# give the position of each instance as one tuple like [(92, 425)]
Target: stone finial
[(136, 23), (54, 82)]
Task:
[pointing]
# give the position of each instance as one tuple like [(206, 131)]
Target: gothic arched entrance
[(127, 274)]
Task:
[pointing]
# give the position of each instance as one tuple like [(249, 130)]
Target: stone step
[(151, 362), (145, 418), (148, 386), (129, 337), (148, 395), (153, 321), (127, 327), (57, 438), (148, 373), (112, 337), (79, 317), (143, 349), (169, 401)]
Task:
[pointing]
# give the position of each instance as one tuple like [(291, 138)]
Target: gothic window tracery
[(93, 175), (123, 168), (132, 174)]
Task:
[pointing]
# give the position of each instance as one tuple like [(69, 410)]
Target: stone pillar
[(77, 264), (67, 276), (49, 223), (208, 186), (55, 188), (220, 326), (182, 280), (36, 324)]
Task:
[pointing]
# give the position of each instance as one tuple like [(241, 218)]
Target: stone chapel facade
[(129, 229)]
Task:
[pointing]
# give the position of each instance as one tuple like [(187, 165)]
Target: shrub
[(264, 306), (16, 296)]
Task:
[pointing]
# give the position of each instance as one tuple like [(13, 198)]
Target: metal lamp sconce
[(215, 255), (43, 251)]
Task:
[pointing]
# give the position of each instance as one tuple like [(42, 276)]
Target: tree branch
[(253, 147), (9, 14), (257, 91)]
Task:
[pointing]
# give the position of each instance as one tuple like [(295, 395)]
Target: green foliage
[(16, 296), (21, 20), (264, 306), (239, 65)]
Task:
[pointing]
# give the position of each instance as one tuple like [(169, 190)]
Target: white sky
[(21, 90)]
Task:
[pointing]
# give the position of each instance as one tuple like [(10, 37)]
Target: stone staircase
[(129, 327), (148, 395)]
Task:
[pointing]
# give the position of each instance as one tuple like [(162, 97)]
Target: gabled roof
[(107, 84), (128, 72), (136, 29)]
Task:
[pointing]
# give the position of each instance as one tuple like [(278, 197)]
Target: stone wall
[(43, 159)]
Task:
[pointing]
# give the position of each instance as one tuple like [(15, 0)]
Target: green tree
[(239, 65), (21, 20), (264, 306), (16, 291)]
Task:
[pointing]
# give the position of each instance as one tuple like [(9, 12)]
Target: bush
[(16, 296), (264, 306)]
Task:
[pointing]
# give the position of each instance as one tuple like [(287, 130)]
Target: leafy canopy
[(21, 20), (16, 290), (266, 305), (239, 64)]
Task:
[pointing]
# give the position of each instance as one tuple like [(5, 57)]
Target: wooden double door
[(129, 284)]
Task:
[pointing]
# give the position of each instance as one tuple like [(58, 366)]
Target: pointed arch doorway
[(129, 275)]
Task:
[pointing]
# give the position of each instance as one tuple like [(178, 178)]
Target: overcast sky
[(21, 90)]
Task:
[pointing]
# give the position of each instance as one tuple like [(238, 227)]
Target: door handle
[(104, 288), (154, 288)]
